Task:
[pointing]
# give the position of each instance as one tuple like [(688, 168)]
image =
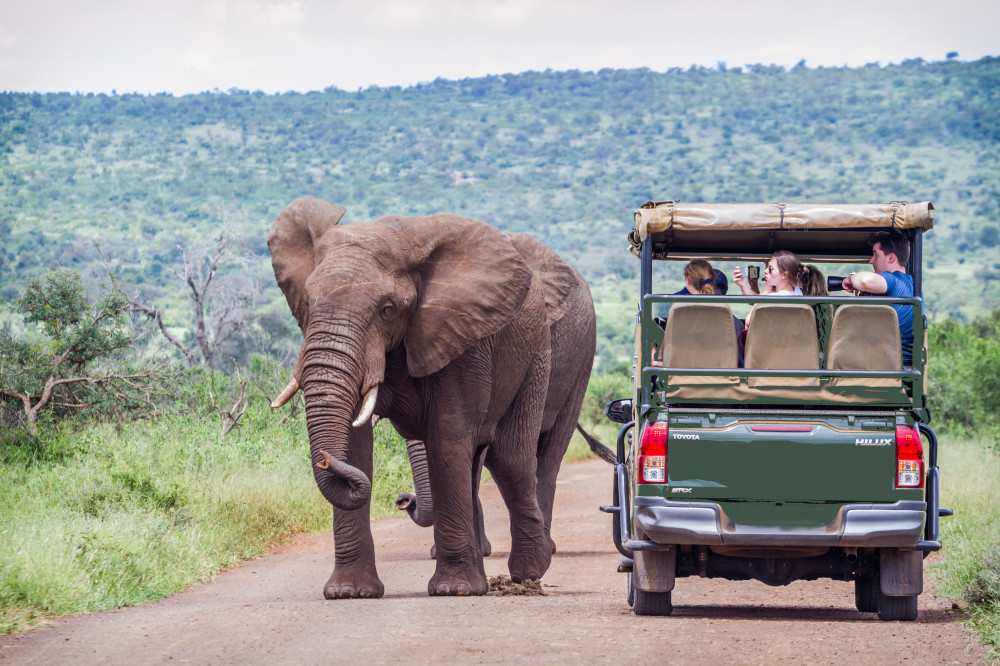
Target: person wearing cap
[(719, 282), (701, 279), (890, 252)]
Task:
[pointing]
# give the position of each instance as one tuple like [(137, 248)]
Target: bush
[(963, 382)]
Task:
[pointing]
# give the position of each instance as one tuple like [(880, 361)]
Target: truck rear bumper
[(898, 525)]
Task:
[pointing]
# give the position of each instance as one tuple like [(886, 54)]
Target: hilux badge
[(873, 441)]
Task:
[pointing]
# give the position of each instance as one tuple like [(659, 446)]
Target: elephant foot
[(345, 584), (530, 563), (450, 581)]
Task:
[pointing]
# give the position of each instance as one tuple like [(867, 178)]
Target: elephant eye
[(387, 309)]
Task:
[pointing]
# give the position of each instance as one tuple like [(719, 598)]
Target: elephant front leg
[(354, 574), (459, 570)]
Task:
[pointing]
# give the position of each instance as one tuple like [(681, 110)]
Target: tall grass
[(970, 469), (119, 514)]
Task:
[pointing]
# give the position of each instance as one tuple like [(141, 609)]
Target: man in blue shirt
[(890, 252)]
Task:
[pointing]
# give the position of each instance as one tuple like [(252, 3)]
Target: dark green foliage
[(76, 356), (566, 156), (964, 385)]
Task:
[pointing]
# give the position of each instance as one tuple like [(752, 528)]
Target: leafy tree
[(74, 353)]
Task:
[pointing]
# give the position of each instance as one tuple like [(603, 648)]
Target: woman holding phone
[(784, 275)]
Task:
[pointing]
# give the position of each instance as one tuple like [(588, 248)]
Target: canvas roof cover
[(733, 229)]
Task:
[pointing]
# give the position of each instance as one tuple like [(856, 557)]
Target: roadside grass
[(970, 570), (120, 514), (100, 515)]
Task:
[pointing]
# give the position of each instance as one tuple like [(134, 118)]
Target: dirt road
[(271, 611)]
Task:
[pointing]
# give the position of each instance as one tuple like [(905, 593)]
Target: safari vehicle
[(807, 463)]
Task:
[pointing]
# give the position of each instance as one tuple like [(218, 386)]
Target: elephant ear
[(294, 235), (471, 283), (558, 278)]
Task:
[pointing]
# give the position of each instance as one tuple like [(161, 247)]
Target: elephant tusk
[(290, 390), (325, 463), (368, 408)]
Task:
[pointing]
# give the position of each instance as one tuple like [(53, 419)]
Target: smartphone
[(753, 272)]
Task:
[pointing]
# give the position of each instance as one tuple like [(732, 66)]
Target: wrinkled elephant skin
[(572, 325), (443, 317)]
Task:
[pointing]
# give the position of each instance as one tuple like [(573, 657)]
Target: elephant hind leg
[(552, 447), (512, 460)]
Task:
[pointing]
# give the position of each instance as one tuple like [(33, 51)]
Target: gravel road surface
[(271, 611)]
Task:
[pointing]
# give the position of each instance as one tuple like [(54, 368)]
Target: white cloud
[(277, 45)]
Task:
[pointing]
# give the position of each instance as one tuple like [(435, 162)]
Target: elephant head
[(433, 285)]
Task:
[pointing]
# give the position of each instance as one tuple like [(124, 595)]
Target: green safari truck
[(803, 452)]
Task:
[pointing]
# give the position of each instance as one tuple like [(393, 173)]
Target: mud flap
[(901, 572), (654, 570)]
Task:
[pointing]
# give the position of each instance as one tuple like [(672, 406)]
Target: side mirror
[(620, 410)]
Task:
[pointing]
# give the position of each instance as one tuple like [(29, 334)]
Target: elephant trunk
[(355, 490), (330, 382), (420, 507)]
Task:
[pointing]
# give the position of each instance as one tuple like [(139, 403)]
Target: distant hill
[(565, 156)]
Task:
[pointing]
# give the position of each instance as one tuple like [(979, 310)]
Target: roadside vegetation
[(965, 400)]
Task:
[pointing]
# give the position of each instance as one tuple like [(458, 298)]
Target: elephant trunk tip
[(405, 502)]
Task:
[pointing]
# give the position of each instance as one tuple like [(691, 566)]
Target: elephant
[(438, 324), (572, 325)]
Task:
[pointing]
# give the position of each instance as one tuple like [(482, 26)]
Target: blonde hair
[(701, 275)]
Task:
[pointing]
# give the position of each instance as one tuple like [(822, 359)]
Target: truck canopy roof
[(816, 232)]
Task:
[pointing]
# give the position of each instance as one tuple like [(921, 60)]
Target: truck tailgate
[(782, 462)]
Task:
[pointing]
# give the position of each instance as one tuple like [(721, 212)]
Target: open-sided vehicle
[(807, 463)]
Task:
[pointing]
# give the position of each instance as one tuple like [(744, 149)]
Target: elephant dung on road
[(440, 325)]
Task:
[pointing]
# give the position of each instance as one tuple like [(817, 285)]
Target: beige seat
[(782, 337), (700, 335), (865, 337)]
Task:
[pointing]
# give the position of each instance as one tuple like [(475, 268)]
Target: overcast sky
[(184, 46)]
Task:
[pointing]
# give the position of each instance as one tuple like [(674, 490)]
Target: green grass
[(104, 515), (116, 515), (970, 572)]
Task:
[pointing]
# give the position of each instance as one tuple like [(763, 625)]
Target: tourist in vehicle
[(701, 279), (890, 252), (784, 275), (720, 282)]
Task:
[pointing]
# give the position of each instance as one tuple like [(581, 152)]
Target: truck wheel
[(631, 591), (897, 608), (866, 593), (652, 603)]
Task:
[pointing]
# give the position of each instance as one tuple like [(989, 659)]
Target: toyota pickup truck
[(814, 458)]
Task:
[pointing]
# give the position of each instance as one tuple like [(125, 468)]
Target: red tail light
[(653, 453), (909, 458)]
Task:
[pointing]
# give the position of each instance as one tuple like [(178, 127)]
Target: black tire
[(652, 603), (631, 591), (897, 608), (866, 593)]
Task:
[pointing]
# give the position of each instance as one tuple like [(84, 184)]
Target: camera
[(753, 272)]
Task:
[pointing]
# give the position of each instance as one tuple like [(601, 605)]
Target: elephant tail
[(601, 451)]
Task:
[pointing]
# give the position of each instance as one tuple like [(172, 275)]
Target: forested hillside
[(143, 182)]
